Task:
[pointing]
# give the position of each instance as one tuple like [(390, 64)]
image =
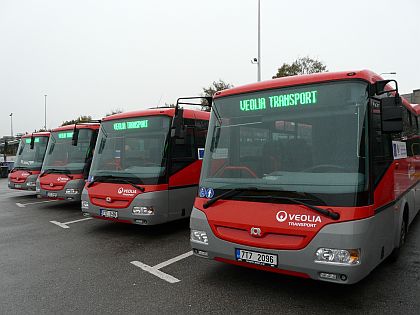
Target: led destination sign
[(28, 140), (65, 135), (137, 124), (283, 100)]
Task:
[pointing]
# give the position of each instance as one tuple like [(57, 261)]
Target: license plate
[(257, 258), (18, 186), (109, 214), (52, 194)]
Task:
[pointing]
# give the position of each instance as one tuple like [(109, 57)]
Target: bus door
[(183, 179)]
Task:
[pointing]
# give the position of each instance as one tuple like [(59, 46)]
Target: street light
[(257, 60), (11, 124), (45, 112), (387, 73)]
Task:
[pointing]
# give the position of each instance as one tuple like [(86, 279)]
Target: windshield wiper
[(115, 179), (19, 168), (228, 194), (327, 212), (56, 171)]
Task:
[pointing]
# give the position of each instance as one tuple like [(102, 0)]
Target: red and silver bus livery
[(67, 161), (313, 176), (146, 166), (28, 161)]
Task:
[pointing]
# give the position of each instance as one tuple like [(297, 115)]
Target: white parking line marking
[(155, 269), (23, 205), (156, 272), (64, 225), (173, 260)]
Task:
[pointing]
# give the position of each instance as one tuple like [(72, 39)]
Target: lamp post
[(45, 112), (257, 60), (387, 73), (11, 124)]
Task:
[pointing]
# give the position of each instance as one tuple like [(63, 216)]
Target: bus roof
[(167, 111), (37, 134), (93, 126), (366, 75)]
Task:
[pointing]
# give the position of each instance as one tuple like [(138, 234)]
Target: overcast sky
[(93, 56)]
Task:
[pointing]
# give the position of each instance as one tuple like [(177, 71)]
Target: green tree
[(304, 65), (211, 90), (80, 119)]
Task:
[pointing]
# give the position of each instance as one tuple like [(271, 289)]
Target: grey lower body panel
[(371, 236), (61, 194)]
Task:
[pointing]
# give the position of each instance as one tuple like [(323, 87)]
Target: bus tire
[(402, 237)]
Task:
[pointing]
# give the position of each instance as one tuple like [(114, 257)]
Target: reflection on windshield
[(62, 155), (28, 158), (133, 148), (310, 139)]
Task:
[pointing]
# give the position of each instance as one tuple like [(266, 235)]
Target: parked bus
[(146, 166), (28, 161), (67, 161), (310, 176)]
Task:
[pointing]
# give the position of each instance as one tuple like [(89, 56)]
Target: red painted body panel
[(120, 199), (20, 176), (54, 182), (36, 134), (189, 175), (265, 268), (232, 220), (93, 126)]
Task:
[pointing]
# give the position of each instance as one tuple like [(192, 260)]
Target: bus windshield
[(63, 156), (132, 149), (31, 159), (307, 139)]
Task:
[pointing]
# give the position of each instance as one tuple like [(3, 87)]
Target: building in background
[(413, 98)]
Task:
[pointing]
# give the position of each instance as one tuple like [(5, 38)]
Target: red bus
[(146, 166), (28, 161), (315, 176), (67, 161)]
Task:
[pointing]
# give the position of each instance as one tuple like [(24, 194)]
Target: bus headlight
[(31, 184), (72, 191), (143, 210), (85, 204), (199, 237), (338, 256)]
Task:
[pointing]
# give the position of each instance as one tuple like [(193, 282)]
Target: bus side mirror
[(32, 145), (391, 114), (178, 128), (75, 137)]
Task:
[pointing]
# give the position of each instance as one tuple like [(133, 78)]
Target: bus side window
[(382, 147), (183, 150)]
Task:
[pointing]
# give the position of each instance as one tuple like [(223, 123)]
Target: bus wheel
[(403, 235)]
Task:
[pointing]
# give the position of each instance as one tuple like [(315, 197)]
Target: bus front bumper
[(72, 191), (28, 184), (345, 235)]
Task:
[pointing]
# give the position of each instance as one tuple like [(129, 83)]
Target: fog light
[(85, 214), (85, 204), (329, 276), (140, 221), (201, 253), (72, 191), (38, 189), (338, 256), (143, 210), (31, 184), (199, 237)]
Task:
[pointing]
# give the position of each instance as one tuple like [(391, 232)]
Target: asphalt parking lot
[(79, 265)]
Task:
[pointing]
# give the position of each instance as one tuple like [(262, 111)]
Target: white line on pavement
[(23, 205), (173, 260), (156, 272), (155, 269), (64, 225)]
